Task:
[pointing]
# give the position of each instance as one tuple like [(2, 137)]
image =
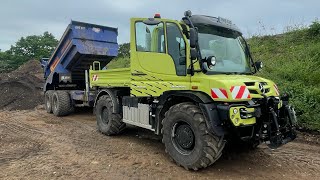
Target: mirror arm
[(197, 47)]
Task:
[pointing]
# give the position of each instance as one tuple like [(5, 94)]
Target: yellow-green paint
[(152, 74), (110, 78), (206, 82), (236, 118)]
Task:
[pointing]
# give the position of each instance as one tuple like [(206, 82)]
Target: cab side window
[(150, 38), (177, 48)]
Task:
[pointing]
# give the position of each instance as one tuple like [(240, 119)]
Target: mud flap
[(213, 120)]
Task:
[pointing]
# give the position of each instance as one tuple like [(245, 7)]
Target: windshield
[(227, 46)]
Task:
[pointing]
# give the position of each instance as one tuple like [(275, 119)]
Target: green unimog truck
[(193, 83)]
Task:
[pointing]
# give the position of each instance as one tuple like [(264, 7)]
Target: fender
[(196, 96), (51, 81), (206, 104), (112, 93)]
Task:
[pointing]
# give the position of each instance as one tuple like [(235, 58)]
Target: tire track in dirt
[(305, 157), (72, 147), (19, 128), (15, 146)]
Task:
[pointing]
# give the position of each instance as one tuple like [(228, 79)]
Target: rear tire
[(187, 139), (109, 123), (48, 101), (61, 103)]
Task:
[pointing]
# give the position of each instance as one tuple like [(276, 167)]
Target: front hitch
[(280, 123), (282, 137)]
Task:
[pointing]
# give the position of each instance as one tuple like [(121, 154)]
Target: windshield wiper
[(237, 73)]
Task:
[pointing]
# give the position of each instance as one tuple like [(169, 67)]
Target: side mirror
[(188, 13), (259, 65), (193, 38), (193, 53), (211, 62)]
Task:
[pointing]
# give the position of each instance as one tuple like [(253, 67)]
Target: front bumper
[(271, 120)]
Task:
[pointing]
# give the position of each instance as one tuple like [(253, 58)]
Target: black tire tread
[(64, 103), (116, 124), (213, 145)]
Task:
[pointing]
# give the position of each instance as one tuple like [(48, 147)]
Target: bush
[(314, 29)]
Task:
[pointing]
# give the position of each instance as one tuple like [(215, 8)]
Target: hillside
[(292, 60)]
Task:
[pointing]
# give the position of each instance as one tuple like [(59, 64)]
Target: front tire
[(109, 123), (187, 139)]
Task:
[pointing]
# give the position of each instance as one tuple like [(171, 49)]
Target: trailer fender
[(112, 94), (51, 82)]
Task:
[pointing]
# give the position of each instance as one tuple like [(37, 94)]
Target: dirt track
[(36, 145)]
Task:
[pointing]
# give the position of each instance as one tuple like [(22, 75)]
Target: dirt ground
[(37, 145)]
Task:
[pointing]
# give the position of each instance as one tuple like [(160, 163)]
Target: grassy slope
[(121, 62), (292, 60)]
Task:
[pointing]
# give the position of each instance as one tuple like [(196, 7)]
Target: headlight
[(211, 62), (235, 111)]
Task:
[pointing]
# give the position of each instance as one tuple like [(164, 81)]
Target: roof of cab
[(209, 20)]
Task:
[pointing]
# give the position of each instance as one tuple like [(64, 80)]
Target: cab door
[(159, 52)]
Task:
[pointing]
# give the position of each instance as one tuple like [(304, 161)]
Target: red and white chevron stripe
[(219, 93), (276, 89), (95, 77), (240, 92)]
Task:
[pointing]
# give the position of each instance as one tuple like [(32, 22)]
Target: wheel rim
[(183, 138), (55, 103), (104, 115), (48, 102)]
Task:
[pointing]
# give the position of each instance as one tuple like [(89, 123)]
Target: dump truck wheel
[(61, 103), (48, 101), (187, 139), (109, 123)]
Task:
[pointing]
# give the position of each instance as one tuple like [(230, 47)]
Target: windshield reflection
[(228, 48)]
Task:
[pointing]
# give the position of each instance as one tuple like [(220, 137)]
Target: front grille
[(249, 83), (253, 87), (253, 91), (267, 90)]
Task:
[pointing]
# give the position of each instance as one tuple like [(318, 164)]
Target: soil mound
[(22, 89)]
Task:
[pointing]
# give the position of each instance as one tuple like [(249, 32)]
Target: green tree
[(34, 47), (9, 62), (27, 48), (124, 50)]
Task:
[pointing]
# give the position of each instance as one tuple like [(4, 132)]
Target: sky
[(20, 18)]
